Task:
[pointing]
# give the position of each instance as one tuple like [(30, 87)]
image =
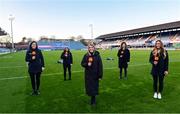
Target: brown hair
[(122, 45), (30, 45), (66, 48)]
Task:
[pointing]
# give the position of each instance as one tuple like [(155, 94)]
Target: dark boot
[(33, 93), (69, 78), (38, 92), (125, 77), (120, 77)]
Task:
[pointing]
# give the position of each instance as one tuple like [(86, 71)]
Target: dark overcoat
[(123, 58), (34, 66), (162, 66), (92, 73), (67, 60)]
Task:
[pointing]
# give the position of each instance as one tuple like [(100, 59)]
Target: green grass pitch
[(132, 95)]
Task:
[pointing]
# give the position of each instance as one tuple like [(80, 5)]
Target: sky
[(65, 18)]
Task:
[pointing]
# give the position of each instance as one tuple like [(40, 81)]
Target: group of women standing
[(93, 67)]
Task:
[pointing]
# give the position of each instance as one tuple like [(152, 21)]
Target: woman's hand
[(89, 63), (155, 62), (166, 73), (27, 64), (33, 57), (43, 68)]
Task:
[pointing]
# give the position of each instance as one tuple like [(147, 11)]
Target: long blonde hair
[(162, 49)]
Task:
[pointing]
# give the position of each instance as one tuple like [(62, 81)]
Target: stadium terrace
[(169, 33)]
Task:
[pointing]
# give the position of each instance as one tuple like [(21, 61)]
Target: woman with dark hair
[(159, 60), (124, 59), (93, 72), (67, 58), (35, 61)]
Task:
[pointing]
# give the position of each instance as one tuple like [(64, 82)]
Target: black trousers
[(125, 72), (156, 79), (65, 67), (93, 99), (35, 80)]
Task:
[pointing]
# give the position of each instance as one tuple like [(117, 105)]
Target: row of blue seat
[(76, 45)]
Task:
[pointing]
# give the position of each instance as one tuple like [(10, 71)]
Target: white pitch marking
[(11, 78), (107, 68), (12, 67)]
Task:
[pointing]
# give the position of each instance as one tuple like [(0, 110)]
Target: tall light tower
[(91, 26), (11, 18)]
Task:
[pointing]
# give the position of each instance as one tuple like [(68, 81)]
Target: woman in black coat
[(35, 61), (67, 58), (93, 72), (159, 60), (124, 59)]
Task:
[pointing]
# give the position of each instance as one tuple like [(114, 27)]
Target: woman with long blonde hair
[(93, 67), (159, 60)]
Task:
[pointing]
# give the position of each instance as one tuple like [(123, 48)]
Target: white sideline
[(129, 65), (12, 67), (11, 78), (25, 66)]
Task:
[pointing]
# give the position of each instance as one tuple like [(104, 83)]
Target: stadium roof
[(141, 31)]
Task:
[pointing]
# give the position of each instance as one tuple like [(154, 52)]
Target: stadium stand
[(169, 33), (46, 44)]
